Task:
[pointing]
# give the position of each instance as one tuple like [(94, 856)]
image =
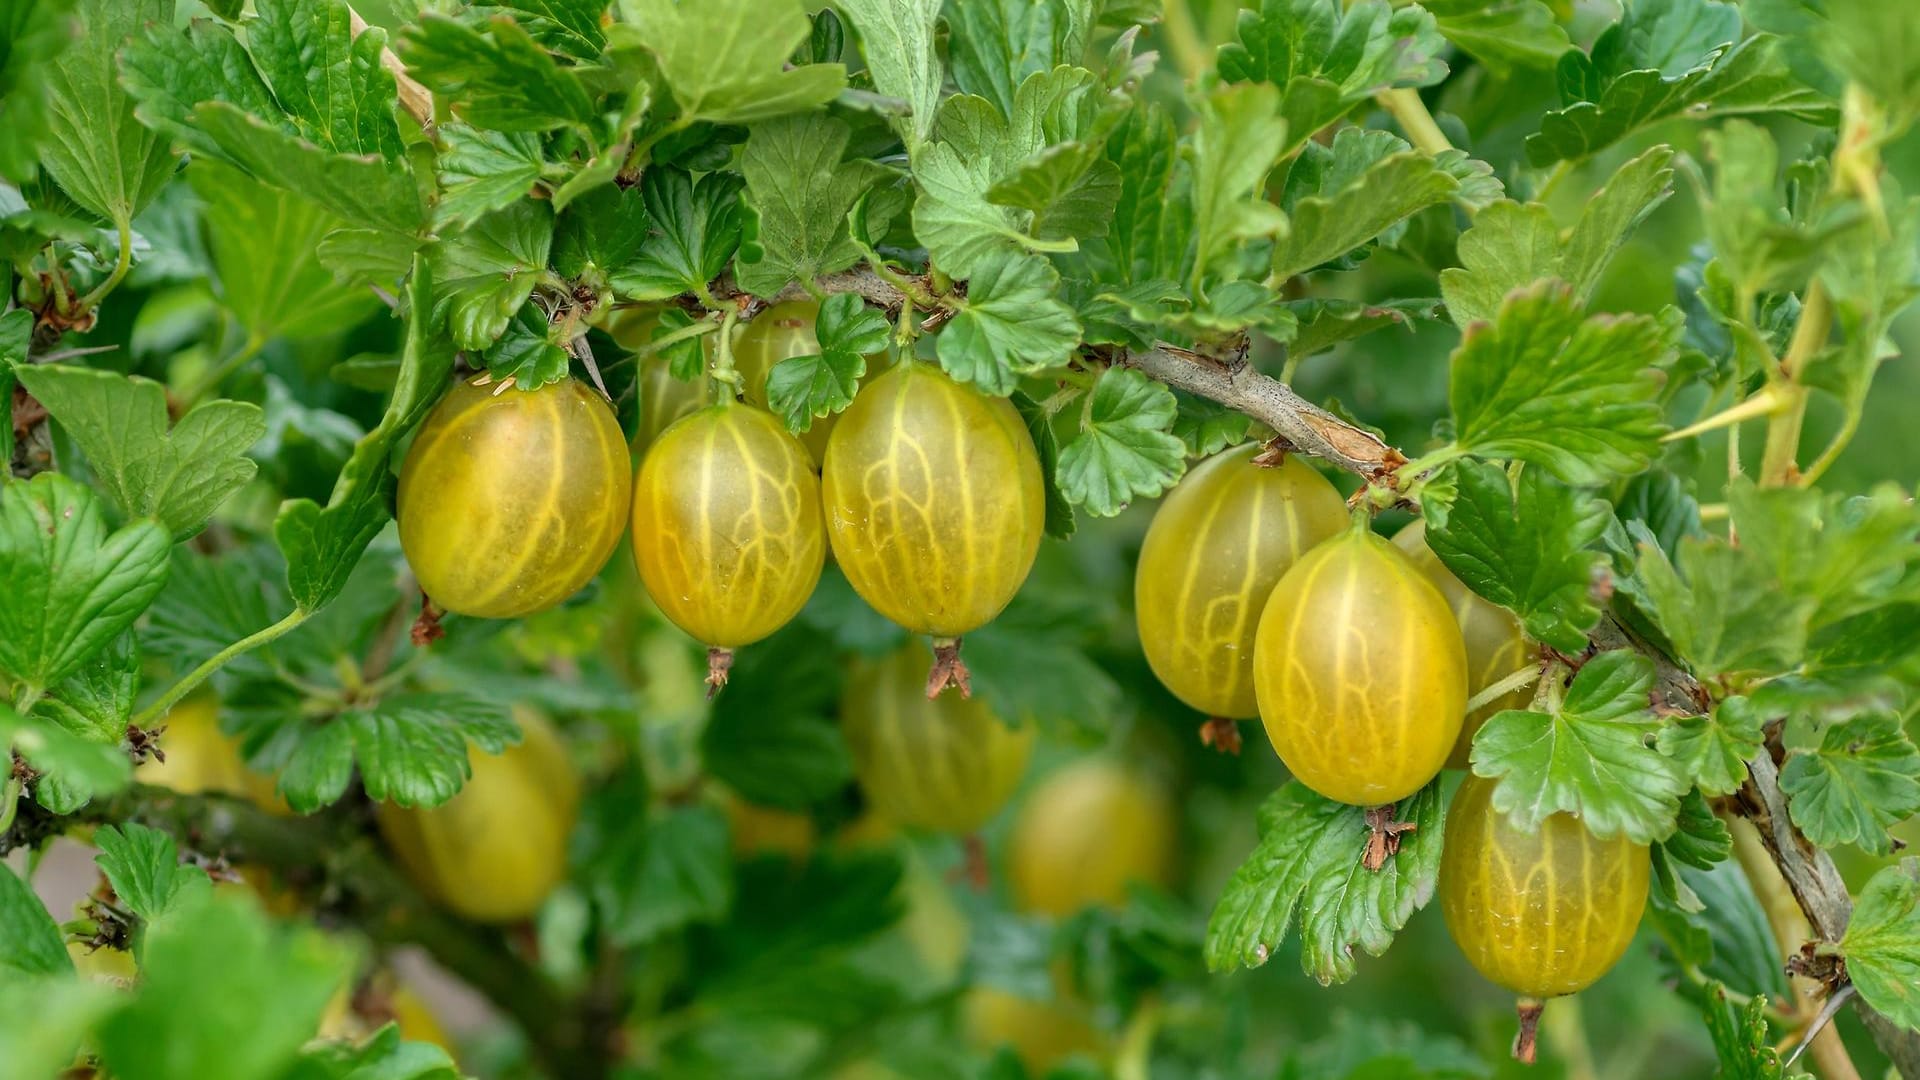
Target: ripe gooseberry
[(1544, 913), (1041, 1032), (512, 500), (935, 505), (1497, 646), (726, 528), (1084, 833), (946, 764), (1215, 550), (494, 851), (1360, 671)]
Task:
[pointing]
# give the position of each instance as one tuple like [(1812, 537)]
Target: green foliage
[(1587, 755), (1307, 865), (1127, 222)]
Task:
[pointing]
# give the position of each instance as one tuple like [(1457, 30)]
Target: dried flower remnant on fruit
[(1221, 734), (1384, 836), (948, 669)]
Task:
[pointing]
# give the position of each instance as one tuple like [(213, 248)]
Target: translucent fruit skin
[(781, 332), (1360, 672), (934, 500), (663, 398), (1541, 914), (1497, 646), (202, 758), (1084, 833), (726, 525), (493, 852), (510, 502), (1040, 1032), (1215, 550), (946, 764)]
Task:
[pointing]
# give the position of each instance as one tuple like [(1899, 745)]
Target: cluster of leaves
[(1016, 178)]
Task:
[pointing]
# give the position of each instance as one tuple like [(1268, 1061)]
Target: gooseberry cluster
[(929, 493), (1256, 593)]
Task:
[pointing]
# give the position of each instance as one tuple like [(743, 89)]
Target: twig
[(415, 98)]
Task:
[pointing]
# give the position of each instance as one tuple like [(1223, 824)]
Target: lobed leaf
[(1307, 867), (1589, 757), (1012, 322), (1125, 449), (1863, 778), (726, 60), (1882, 943), (801, 388)]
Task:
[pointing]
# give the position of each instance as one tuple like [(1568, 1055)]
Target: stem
[(1411, 114), (1783, 428), (1524, 677), (1134, 1059), (213, 663), (1552, 182), (1849, 427), (1566, 1034), (212, 379), (120, 267), (721, 376), (10, 801), (699, 329)]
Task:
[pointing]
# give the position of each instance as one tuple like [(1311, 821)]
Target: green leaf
[(207, 975), (1590, 757), (177, 478), (1328, 58), (487, 271), (1011, 322), (995, 45), (1863, 778), (598, 233), (1664, 59), (383, 1056), (323, 130), (1846, 554), (800, 192), (483, 171), (68, 587), (74, 733), (1578, 397), (897, 42), (1722, 609), (499, 78), (1502, 34), (1343, 196), (37, 33), (726, 60), (73, 766), (1525, 548), (1758, 244), (697, 228), (29, 941), (1208, 428), (44, 1020), (1326, 323), (1126, 449), (16, 338), (1031, 665), (1069, 188), (801, 388), (1741, 1039), (322, 545), (772, 736), (95, 149), (976, 148), (413, 748), (1142, 147), (1241, 135), (143, 866), (263, 242), (1060, 523), (1714, 749), (1882, 943), (1357, 1046), (1308, 864), (1512, 245), (526, 354), (1726, 936), (683, 875)]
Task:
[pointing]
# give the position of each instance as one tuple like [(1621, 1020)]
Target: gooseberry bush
[(740, 538)]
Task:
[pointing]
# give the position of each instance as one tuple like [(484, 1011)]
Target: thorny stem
[(1778, 466), (213, 663)]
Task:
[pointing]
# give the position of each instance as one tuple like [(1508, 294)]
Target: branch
[(361, 885), (415, 98)]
